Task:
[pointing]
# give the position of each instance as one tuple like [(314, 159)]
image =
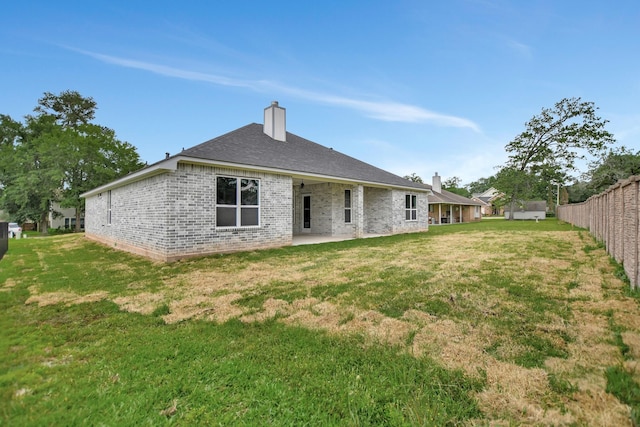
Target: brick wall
[(377, 211), (339, 227), (613, 217), (399, 223), (172, 216)]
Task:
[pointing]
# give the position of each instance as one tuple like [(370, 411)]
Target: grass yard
[(499, 322)]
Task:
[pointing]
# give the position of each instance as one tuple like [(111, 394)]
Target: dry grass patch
[(143, 303), (632, 339), (67, 242), (8, 285), (217, 309), (593, 406), (67, 298)]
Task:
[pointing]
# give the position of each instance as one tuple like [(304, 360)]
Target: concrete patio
[(312, 239)]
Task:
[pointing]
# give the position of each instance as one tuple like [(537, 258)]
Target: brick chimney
[(275, 122), (436, 184)]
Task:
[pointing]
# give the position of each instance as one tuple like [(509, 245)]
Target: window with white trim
[(237, 202), (347, 206), (411, 207)]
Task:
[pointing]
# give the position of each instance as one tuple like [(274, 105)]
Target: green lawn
[(499, 322)]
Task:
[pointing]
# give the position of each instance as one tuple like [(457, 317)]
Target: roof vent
[(275, 122)]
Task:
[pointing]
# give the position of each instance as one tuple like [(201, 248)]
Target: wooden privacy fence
[(613, 218)]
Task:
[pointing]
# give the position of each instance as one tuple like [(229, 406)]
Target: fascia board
[(169, 165)]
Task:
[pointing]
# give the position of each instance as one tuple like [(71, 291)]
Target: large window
[(411, 207), (237, 202), (347, 206)]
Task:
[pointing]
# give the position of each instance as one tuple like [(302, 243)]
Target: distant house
[(63, 218), (58, 218), (446, 207), (487, 201), (255, 187), (536, 209)]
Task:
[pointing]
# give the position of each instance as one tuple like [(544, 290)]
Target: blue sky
[(408, 86)]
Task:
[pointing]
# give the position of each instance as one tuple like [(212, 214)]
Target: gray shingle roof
[(451, 198), (249, 145)]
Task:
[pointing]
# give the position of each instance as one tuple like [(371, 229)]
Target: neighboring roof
[(451, 198), (249, 146), (483, 199), (488, 193)]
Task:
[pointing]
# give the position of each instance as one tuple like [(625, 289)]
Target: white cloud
[(381, 110), (520, 48)]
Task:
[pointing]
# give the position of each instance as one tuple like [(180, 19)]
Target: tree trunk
[(512, 208), (44, 225), (78, 228)]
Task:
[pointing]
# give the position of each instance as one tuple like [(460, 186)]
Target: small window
[(237, 202), (411, 210), (347, 206)]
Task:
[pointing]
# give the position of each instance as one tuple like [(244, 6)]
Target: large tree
[(414, 177), (550, 145), (616, 164), (481, 185), (56, 155), (453, 185), (69, 108), (32, 170), (95, 156)]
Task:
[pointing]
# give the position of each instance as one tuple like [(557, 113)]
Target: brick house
[(255, 187), (446, 207)]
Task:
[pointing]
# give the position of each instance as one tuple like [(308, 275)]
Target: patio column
[(359, 211)]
